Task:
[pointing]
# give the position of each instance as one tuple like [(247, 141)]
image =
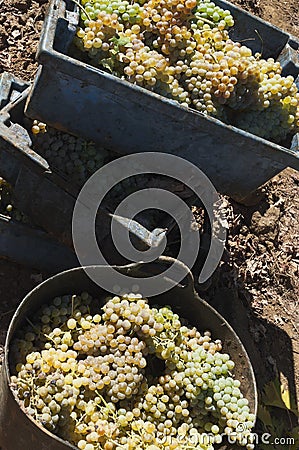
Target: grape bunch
[(6, 203), (38, 127), (76, 158), (127, 375), (275, 110), (182, 49)]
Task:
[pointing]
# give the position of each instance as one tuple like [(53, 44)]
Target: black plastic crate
[(85, 101), (46, 194)]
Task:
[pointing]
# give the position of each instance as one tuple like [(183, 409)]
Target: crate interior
[(75, 160)]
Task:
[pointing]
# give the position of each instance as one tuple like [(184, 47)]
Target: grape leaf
[(295, 434), (272, 396), (108, 64), (285, 395), (264, 416), (120, 41)]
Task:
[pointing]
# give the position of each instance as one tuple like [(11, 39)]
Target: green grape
[(90, 376), (76, 158), (181, 49), (206, 11)]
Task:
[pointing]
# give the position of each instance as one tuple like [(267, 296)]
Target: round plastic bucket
[(18, 431)]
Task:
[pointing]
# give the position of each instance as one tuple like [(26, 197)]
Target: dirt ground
[(256, 286), (282, 13)]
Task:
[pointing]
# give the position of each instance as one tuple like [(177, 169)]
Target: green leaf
[(294, 433), (274, 395), (285, 395), (120, 41), (265, 416), (113, 39), (108, 64), (123, 41)]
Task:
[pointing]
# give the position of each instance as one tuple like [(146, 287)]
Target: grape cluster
[(38, 127), (181, 49), (127, 376), (76, 159), (6, 203), (72, 156), (276, 110)]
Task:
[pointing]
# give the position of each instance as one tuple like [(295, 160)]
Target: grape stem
[(106, 405), (82, 9), (205, 20), (33, 326), (78, 422), (262, 47), (48, 337), (73, 304), (25, 382)]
